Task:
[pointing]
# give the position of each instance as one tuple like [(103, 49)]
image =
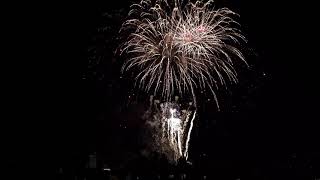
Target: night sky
[(267, 127)]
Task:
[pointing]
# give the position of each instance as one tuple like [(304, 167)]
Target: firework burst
[(175, 48)]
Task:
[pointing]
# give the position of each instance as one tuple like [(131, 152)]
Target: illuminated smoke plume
[(171, 128)]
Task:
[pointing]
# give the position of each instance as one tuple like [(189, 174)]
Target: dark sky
[(269, 121)]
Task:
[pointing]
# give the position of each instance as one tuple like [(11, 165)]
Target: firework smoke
[(171, 128)]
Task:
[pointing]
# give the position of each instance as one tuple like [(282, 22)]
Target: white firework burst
[(175, 48)]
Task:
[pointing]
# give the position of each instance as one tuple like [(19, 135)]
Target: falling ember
[(174, 130)]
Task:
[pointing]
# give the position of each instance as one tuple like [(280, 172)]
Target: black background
[(64, 107)]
